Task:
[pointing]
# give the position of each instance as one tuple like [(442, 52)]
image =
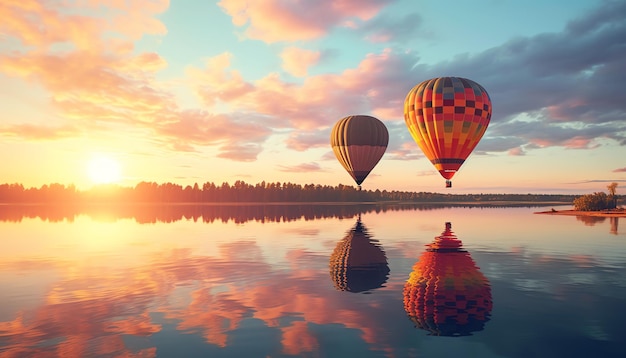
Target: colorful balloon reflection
[(358, 263), (446, 294)]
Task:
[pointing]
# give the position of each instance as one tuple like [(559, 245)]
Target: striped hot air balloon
[(446, 294), (447, 117), (359, 143)]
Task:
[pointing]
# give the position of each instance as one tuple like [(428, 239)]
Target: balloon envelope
[(359, 143), (447, 117)]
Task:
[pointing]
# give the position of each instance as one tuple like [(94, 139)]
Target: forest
[(242, 192)]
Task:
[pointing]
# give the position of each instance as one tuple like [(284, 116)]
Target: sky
[(188, 92)]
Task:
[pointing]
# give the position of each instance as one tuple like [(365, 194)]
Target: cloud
[(296, 61), (301, 168), (236, 139), (541, 134), (407, 151), (567, 83), (291, 20), (215, 83), (80, 25), (499, 143), (620, 170), (517, 151), (34, 132), (304, 140), (95, 82), (315, 104), (241, 152)]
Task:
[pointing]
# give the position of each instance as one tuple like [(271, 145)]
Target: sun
[(103, 169)]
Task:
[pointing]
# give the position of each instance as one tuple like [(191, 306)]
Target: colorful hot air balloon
[(358, 143), (358, 262), (447, 117), (446, 294)]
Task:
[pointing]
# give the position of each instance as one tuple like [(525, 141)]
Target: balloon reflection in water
[(358, 262), (446, 294)]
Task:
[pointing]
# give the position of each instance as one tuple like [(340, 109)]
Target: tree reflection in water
[(358, 263), (446, 294)]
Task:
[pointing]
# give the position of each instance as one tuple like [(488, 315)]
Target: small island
[(596, 204), (615, 213)]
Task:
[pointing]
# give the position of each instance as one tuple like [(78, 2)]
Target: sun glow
[(103, 169)]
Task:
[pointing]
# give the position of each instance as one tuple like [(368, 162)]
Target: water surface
[(309, 280)]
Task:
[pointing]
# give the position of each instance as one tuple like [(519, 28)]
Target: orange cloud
[(33, 132)]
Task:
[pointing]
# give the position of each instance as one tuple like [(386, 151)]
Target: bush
[(594, 202)]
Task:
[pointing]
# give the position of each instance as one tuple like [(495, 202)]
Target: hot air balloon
[(446, 294), (447, 117), (358, 263), (358, 143)]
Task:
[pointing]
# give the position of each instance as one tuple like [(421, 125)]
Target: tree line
[(242, 192)]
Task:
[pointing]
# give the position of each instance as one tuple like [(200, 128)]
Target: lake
[(310, 281)]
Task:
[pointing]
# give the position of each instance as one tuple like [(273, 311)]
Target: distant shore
[(615, 213)]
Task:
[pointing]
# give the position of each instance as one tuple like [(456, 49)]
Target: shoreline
[(614, 213), (506, 203)]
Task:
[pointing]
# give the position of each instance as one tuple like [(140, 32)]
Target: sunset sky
[(195, 91)]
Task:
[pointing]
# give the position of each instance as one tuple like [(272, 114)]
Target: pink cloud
[(292, 20), (236, 140), (215, 82), (620, 170), (576, 142), (579, 142), (406, 151), (319, 101), (303, 140), (296, 61), (517, 151)]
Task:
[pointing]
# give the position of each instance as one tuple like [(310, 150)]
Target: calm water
[(313, 281)]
